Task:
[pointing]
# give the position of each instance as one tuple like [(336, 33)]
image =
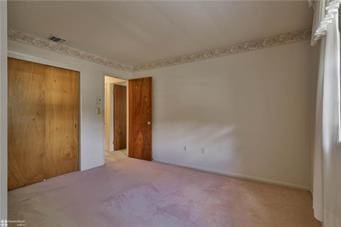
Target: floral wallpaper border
[(64, 49), (276, 40)]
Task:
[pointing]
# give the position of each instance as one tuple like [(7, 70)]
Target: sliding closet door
[(43, 122), (26, 123), (62, 122)]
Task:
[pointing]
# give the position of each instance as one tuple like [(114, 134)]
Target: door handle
[(149, 123)]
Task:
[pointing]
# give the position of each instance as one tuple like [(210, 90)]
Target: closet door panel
[(26, 122), (61, 126)]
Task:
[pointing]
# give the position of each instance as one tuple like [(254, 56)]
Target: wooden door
[(120, 117), (140, 118), (43, 122)]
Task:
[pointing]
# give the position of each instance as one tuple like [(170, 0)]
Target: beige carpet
[(128, 192)]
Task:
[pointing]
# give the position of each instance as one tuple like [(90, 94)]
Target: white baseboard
[(240, 176)]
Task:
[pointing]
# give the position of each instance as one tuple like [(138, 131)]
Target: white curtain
[(327, 152)]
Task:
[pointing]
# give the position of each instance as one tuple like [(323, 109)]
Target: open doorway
[(115, 118), (127, 108)]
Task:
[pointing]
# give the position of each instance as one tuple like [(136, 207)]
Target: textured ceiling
[(140, 32)]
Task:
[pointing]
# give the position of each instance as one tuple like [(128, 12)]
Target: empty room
[(170, 113)]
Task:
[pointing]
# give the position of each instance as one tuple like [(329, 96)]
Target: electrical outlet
[(98, 105), (98, 111)]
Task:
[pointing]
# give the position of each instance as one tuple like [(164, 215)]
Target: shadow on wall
[(201, 145)]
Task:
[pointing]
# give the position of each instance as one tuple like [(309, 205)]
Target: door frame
[(3, 110), (112, 113)]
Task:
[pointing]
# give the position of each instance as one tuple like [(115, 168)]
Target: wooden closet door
[(140, 118), (43, 119), (62, 122), (26, 122)]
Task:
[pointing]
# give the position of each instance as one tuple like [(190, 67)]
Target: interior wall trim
[(65, 49), (256, 44), (239, 176), (245, 46), (3, 108)]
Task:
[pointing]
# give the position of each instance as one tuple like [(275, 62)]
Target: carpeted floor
[(129, 192), (110, 156)]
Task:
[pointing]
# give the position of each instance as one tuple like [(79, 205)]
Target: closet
[(43, 122)]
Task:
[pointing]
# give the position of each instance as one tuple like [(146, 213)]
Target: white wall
[(3, 110), (248, 115), (91, 88)]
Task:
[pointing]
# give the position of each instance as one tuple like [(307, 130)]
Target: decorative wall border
[(276, 40), (64, 49), (257, 44)]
